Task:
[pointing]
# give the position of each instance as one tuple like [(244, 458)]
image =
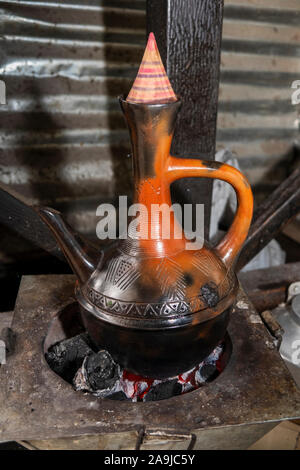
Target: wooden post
[(188, 34)]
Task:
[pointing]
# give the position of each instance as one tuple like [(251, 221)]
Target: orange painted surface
[(157, 191), (204, 265), (169, 257), (231, 244)]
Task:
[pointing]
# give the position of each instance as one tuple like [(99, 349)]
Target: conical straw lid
[(151, 84)]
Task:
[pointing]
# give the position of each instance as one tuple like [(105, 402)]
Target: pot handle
[(229, 247)]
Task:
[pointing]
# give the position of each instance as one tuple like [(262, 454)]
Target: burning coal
[(96, 372)]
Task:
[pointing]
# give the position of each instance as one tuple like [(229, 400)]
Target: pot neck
[(151, 128)]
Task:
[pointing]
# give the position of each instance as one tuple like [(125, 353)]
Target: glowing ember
[(76, 360), (128, 386)]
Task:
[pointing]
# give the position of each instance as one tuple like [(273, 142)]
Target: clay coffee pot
[(156, 306)]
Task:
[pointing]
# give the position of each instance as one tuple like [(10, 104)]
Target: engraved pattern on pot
[(166, 309), (168, 271), (137, 309), (121, 273), (205, 262)]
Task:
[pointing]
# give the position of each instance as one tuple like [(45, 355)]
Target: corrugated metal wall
[(62, 135)]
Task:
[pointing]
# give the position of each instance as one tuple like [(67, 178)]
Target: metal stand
[(249, 398)]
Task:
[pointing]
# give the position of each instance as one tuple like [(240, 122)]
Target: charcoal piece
[(67, 356), (209, 372), (120, 396), (101, 371), (163, 390)]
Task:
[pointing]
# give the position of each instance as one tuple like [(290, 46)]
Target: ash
[(91, 371)]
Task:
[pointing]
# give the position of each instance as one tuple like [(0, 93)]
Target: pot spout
[(81, 256)]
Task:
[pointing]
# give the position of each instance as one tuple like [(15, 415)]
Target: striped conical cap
[(151, 84)]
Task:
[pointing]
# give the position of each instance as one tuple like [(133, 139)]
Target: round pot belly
[(161, 353)]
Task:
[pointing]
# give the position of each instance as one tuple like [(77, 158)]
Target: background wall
[(63, 139)]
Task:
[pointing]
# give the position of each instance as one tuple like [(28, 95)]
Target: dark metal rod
[(271, 216), (267, 287), (17, 214)]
